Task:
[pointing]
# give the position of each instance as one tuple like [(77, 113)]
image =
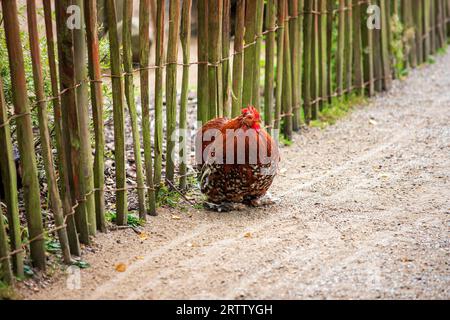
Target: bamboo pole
[(256, 99), (444, 16), (171, 88), (238, 60), (426, 29), (448, 18), (270, 56), (330, 9), (357, 47), (307, 39), (295, 55), (185, 36), (323, 53), (315, 84), (144, 50), (340, 49), (47, 155), (280, 56), (9, 180), (118, 116), (433, 27), (90, 7), (77, 223), (300, 59), (86, 174), (287, 82), (226, 69), (392, 12), (443, 24), (377, 61), (202, 80), (131, 103), (251, 13), (440, 23), (24, 133), (435, 24), (71, 126), (159, 59), (409, 30), (153, 12), (6, 274), (385, 44), (215, 92), (418, 17), (388, 14), (60, 147), (54, 84), (348, 50), (367, 51)]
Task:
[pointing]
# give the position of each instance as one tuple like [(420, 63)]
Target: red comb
[(251, 109)]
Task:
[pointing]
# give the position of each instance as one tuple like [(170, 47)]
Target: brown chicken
[(239, 160)]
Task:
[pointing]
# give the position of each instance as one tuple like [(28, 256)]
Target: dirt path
[(364, 214)]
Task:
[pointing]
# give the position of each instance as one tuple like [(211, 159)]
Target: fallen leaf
[(143, 236), (248, 235), (175, 217), (121, 267)]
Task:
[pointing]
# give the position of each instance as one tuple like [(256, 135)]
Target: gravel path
[(364, 214)]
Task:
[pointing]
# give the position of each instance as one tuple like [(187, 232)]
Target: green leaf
[(81, 264)]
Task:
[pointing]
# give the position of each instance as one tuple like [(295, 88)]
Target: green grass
[(285, 141), (337, 110), (167, 197), (132, 220)]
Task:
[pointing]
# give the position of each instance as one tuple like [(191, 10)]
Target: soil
[(364, 213)]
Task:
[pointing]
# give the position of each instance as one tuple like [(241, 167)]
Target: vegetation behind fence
[(291, 59)]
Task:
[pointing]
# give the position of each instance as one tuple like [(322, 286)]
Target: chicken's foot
[(224, 206), (267, 200)]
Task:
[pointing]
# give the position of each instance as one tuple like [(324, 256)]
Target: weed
[(167, 197), (132, 220), (285, 141), (6, 292), (81, 264)]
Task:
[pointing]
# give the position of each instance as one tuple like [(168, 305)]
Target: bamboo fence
[(289, 58)]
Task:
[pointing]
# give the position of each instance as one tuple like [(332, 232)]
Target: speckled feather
[(238, 183)]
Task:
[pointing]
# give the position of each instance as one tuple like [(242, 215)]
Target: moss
[(7, 292)]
